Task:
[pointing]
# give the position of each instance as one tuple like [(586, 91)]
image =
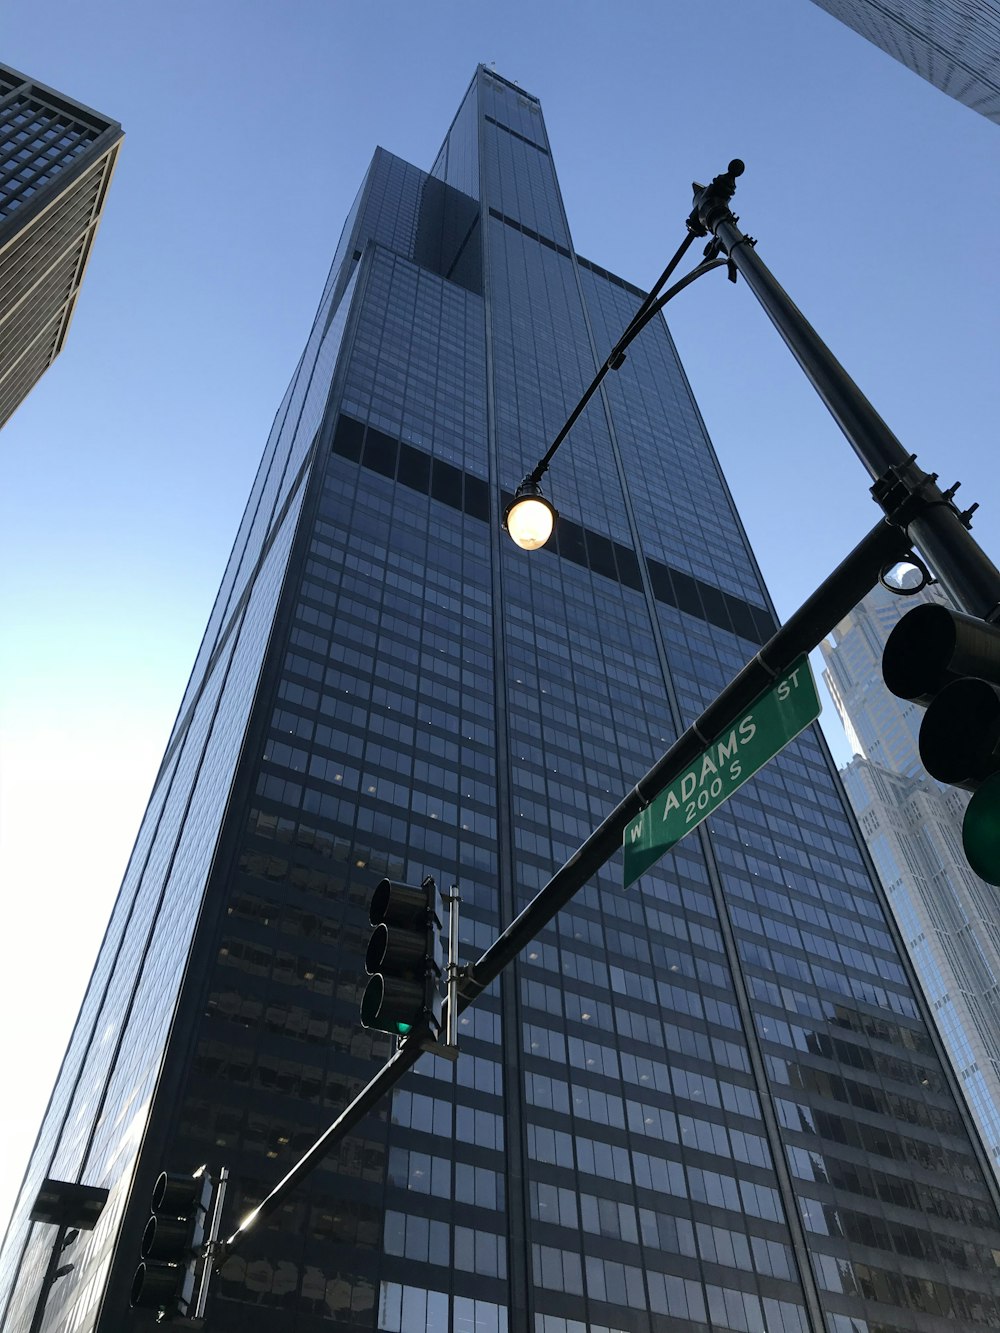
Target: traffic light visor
[(177, 1194), (960, 734), (389, 1004), (398, 904), (154, 1287), (932, 646)]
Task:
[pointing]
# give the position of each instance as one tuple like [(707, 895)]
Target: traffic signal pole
[(917, 513), (939, 529), (883, 547)]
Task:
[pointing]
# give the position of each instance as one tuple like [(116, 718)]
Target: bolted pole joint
[(912, 501), (905, 491)]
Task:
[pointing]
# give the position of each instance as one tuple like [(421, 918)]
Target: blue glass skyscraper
[(57, 158), (711, 1101), (950, 919), (954, 44)]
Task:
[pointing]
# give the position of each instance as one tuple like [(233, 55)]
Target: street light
[(910, 498), (72, 1208), (960, 736), (529, 518)]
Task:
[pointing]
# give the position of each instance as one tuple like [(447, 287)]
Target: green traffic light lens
[(404, 1028), (981, 831)]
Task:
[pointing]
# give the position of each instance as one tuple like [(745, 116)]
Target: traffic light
[(404, 959), (172, 1243), (950, 663)]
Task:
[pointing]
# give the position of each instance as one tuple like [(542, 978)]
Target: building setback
[(56, 161), (954, 44), (711, 1101), (949, 918)]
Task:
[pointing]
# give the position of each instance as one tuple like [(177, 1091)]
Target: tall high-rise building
[(954, 44), (712, 1101), (56, 161), (949, 918)]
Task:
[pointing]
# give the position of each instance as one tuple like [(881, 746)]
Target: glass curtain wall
[(711, 1101)]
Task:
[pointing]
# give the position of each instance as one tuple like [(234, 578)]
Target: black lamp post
[(910, 498), (530, 518)]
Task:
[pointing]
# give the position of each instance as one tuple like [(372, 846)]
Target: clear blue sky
[(249, 124)]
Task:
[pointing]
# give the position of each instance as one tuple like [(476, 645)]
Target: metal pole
[(52, 1271), (884, 546), (368, 1098), (451, 1011), (214, 1227), (939, 529)]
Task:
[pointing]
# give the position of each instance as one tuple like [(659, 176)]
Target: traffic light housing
[(950, 663), (403, 960), (171, 1244)]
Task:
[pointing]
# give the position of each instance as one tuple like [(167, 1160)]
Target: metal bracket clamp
[(895, 492), (214, 1248), (902, 495)]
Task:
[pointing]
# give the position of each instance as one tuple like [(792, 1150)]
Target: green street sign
[(782, 711)]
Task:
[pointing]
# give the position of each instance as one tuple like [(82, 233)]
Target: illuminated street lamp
[(529, 518)]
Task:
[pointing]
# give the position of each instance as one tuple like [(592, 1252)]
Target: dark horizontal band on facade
[(419, 471), (514, 134), (561, 249), (611, 277), (527, 231)]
